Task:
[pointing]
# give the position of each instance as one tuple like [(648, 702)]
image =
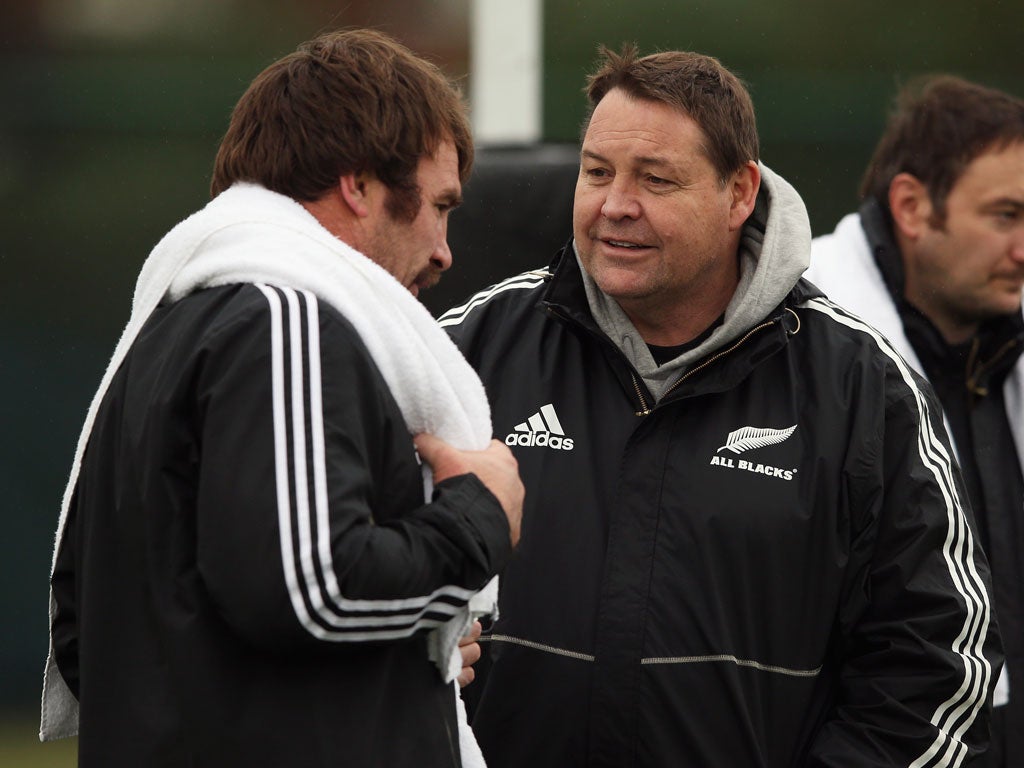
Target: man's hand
[(496, 467), (470, 650)]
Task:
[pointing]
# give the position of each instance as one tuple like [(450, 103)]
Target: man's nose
[(442, 256), (620, 201), (1017, 245)]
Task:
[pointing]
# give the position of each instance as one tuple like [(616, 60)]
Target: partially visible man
[(247, 564), (743, 540), (934, 258)]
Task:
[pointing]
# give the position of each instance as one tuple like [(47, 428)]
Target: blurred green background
[(110, 114)]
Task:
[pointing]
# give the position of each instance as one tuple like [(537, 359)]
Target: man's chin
[(622, 284), (423, 283), (996, 307), (1012, 307), (1009, 303)]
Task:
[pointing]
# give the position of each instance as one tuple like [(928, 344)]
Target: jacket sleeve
[(311, 522), (918, 653)]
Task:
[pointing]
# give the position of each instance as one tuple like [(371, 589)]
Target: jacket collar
[(565, 297)]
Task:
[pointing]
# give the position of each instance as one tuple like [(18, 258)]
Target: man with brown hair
[(934, 259), (252, 568), (743, 538)]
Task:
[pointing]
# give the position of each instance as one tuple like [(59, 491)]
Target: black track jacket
[(772, 566), (204, 620)]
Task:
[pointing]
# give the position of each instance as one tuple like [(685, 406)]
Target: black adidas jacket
[(981, 391), (202, 619), (770, 567)]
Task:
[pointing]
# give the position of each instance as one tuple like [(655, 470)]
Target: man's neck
[(678, 325), (952, 331), (333, 217), (678, 319)]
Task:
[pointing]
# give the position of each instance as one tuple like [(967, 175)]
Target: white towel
[(249, 234)]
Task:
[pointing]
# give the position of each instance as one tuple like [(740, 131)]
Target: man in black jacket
[(251, 568), (935, 259), (745, 540)]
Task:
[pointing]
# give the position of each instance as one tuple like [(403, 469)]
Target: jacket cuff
[(483, 516)]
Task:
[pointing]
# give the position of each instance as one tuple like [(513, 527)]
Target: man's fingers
[(443, 460), (427, 446), (473, 635), (470, 651), (470, 654)]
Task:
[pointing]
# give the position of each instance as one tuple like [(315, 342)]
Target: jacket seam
[(659, 660)]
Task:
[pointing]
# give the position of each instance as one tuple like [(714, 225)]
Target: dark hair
[(697, 85), (348, 101), (939, 125)]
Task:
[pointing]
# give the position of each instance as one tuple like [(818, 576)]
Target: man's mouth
[(1013, 278), (622, 243)]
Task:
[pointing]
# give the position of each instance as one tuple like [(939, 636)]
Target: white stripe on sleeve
[(324, 612), (956, 714)]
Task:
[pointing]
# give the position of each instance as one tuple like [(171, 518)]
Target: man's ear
[(911, 205), (353, 190), (745, 184)]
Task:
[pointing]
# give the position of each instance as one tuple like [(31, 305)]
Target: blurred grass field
[(20, 746)]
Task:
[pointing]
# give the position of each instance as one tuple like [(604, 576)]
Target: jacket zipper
[(646, 411), (973, 376)]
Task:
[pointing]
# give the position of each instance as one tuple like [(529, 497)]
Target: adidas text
[(543, 429), (542, 439)]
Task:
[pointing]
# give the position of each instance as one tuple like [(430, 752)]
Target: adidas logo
[(542, 429), (748, 438)]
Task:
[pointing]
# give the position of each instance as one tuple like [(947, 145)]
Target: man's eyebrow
[(659, 162), (450, 198), (645, 160), (1006, 201)]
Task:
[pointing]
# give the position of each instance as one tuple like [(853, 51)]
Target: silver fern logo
[(748, 438)]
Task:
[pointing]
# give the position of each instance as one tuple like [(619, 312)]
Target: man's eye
[(1007, 217)]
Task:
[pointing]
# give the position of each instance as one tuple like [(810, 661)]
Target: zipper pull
[(644, 410)]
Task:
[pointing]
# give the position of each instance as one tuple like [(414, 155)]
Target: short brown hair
[(348, 101), (695, 84), (939, 125)]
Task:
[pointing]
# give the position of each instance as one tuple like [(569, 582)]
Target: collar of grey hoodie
[(774, 251)]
